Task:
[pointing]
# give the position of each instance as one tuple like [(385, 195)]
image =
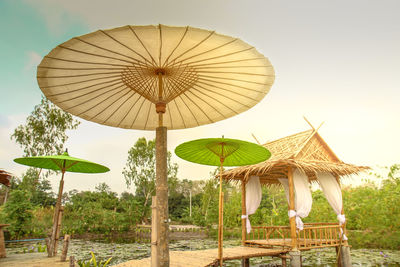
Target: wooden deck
[(208, 257)]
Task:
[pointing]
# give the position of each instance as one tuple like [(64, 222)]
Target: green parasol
[(63, 163), (222, 152)]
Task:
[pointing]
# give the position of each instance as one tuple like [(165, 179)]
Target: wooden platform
[(208, 257), (285, 243), (32, 260)]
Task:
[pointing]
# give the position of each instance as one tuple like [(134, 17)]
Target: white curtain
[(253, 199), (303, 198), (333, 194)]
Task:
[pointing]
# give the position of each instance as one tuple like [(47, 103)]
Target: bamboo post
[(65, 248), (161, 179), (2, 243), (342, 211), (221, 208), (154, 216), (220, 229), (60, 214), (292, 207), (71, 261), (244, 212), (162, 196), (246, 262), (190, 203), (50, 249)]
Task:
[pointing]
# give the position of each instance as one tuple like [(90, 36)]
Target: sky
[(336, 62)]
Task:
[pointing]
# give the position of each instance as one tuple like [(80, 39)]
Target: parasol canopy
[(62, 163), (112, 77), (209, 151)]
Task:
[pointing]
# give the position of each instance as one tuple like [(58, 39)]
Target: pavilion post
[(162, 196), (342, 211), (292, 220), (244, 212)]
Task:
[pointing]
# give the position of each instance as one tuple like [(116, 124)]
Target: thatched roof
[(306, 151), (5, 178)]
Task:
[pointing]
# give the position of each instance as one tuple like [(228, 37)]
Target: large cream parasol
[(155, 77)]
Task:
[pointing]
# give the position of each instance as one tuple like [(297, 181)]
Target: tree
[(140, 171), (18, 211), (41, 191), (44, 131)]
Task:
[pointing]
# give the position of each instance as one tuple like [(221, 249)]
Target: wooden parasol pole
[(161, 182), (51, 250), (221, 209)]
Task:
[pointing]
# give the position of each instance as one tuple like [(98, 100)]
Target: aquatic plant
[(93, 262)]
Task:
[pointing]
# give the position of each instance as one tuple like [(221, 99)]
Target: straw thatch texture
[(5, 178), (306, 151)]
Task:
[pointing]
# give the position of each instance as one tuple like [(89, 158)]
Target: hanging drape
[(253, 199), (333, 194), (303, 198)]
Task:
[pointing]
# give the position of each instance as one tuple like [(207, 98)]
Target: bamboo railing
[(314, 235)]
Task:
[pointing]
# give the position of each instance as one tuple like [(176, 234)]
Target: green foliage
[(40, 188), (100, 211), (33, 248), (93, 262), (18, 212), (44, 131), (372, 211), (140, 171)]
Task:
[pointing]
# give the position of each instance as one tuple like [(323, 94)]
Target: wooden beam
[(255, 138), (244, 212), (292, 220), (314, 132), (309, 123)]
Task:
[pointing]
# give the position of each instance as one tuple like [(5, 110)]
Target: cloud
[(9, 149), (57, 14), (33, 60)]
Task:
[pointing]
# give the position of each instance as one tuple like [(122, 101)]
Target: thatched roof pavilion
[(296, 161), (306, 151), (5, 178)]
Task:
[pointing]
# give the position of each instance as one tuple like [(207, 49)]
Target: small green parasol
[(222, 152), (63, 163)]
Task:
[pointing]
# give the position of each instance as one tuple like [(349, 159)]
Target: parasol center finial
[(161, 107), (161, 71)]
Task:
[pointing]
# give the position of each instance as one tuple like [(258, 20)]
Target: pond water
[(127, 251)]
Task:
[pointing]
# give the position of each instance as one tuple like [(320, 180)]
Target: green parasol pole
[(52, 250), (221, 207)]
